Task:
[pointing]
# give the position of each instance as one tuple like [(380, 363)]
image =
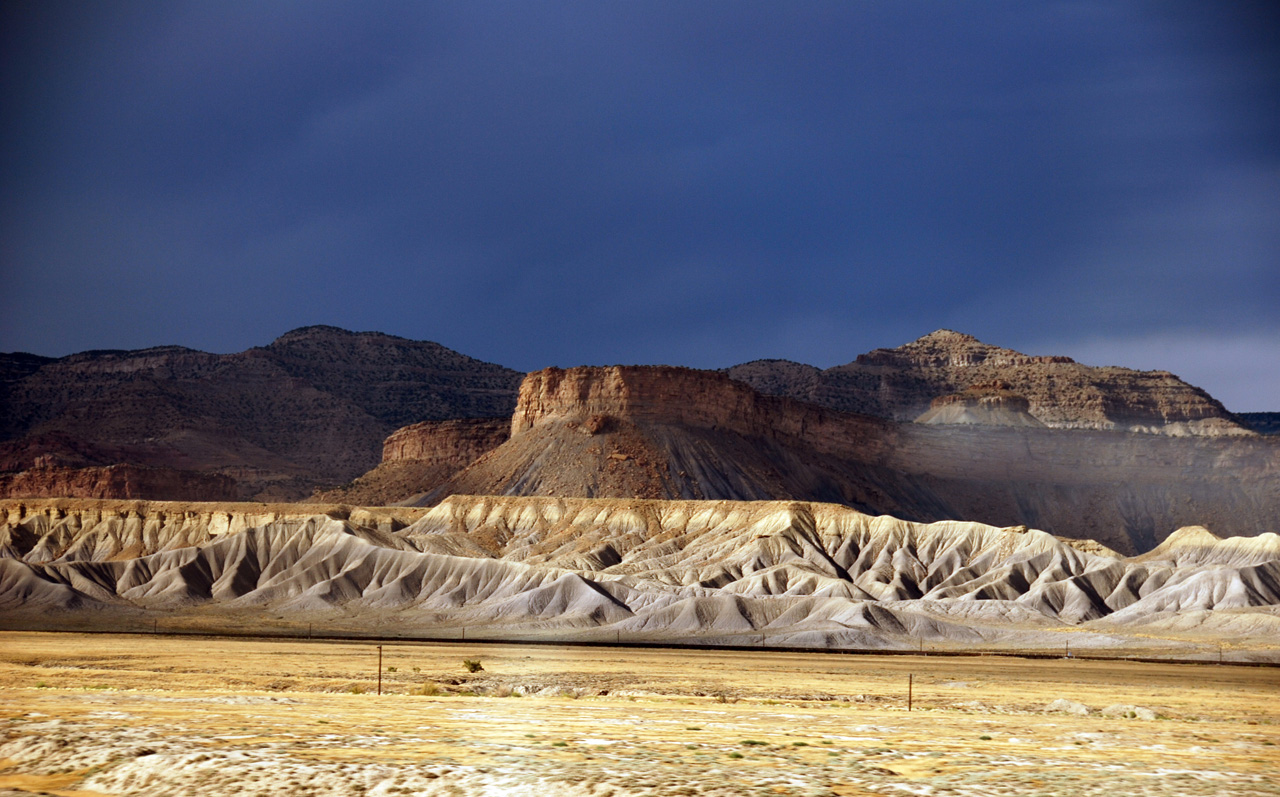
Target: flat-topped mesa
[(458, 442), (637, 393), (901, 383), (418, 457), (593, 396), (661, 432)]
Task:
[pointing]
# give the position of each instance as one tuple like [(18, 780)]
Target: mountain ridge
[(311, 407), (901, 383), (676, 433)]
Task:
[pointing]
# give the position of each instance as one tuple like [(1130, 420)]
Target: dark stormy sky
[(696, 183)]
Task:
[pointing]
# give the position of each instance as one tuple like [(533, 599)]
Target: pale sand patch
[(192, 716)]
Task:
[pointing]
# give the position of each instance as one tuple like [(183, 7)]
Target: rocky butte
[(902, 383), (662, 432), (994, 500), (421, 455)]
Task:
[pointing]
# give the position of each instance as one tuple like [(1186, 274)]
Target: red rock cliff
[(118, 482), (457, 442), (689, 398)]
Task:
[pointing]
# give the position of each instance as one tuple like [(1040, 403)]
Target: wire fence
[(1175, 652)]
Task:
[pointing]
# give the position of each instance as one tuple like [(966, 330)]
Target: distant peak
[(947, 335), (324, 332), (946, 339), (313, 331)]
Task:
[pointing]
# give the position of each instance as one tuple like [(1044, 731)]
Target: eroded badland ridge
[(796, 573)]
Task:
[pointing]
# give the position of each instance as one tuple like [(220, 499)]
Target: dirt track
[(145, 715)]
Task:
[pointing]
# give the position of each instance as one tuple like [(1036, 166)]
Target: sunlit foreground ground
[(137, 714)]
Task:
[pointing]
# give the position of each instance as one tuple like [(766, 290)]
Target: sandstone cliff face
[(657, 432), (987, 404), (639, 393), (312, 407), (118, 481), (457, 442), (419, 457), (688, 398), (901, 383)]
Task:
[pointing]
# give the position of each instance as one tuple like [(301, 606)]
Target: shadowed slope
[(311, 407)]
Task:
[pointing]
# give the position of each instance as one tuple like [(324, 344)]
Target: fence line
[(1204, 654)]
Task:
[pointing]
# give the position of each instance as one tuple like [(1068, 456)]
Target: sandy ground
[(157, 715)]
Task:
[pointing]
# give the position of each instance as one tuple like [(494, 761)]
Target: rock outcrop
[(313, 407), (777, 573), (660, 432), (117, 481), (989, 404), (419, 456), (902, 383), (455, 443)]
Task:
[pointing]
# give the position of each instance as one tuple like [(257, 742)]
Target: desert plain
[(138, 714)]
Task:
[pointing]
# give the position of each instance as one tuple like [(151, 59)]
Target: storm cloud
[(696, 183)]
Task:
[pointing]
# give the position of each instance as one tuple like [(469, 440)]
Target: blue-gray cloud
[(699, 183)]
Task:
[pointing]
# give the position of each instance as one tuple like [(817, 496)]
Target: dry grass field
[(162, 715)]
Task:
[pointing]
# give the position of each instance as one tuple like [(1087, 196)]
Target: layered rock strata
[(313, 407), (990, 404), (1267, 423), (420, 456), (117, 481), (660, 432), (456, 442), (901, 383)]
